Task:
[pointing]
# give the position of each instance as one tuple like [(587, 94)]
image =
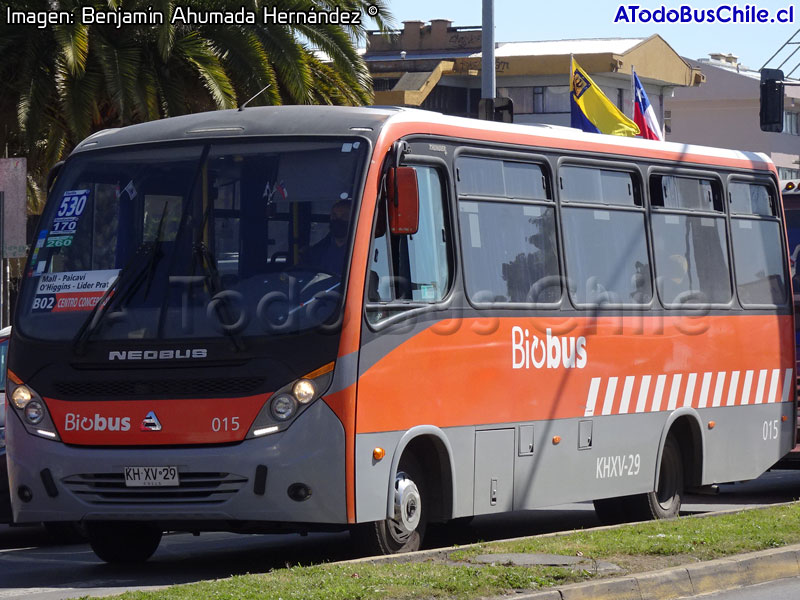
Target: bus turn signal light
[(556, 439), (712, 424), (784, 418), (378, 453)]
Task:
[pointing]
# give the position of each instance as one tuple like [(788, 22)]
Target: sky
[(532, 20)]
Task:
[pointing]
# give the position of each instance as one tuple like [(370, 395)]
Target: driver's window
[(411, 269)]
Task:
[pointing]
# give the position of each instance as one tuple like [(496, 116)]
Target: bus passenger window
[(500, 179), (582, 184), (510, 252), (606, 246), (412, 269), (757, 245), (691, 249)]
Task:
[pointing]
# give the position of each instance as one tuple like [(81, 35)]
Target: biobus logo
[(551, 352), (77, 422)]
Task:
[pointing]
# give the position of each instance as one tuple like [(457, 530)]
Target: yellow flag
[(591, 110)]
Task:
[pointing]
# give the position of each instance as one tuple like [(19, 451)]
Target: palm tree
[(62, 82)]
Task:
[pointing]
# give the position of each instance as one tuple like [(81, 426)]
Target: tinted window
[(751, 199), (606, 253), (691, 259), (500, 178), (583, 184), (757, 245), (414, 268), (427, 249), (510, 252), (685, 193)]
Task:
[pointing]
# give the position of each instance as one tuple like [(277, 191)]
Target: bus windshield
[(194, 241)]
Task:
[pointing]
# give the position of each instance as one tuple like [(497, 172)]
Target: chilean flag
[(643, 114)]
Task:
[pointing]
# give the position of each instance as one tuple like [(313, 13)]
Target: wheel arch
[(428, 444), (686, 425)]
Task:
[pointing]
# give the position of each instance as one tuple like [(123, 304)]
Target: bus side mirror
[(771, 111), (403, 195)]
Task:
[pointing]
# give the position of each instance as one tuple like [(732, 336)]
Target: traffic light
[(496, 109), (771, 112)]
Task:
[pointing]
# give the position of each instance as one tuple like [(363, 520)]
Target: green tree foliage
[(61, 83)]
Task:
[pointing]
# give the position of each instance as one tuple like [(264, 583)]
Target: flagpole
[(633, 94)]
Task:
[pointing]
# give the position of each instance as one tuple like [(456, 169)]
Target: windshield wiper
[(100, 310)]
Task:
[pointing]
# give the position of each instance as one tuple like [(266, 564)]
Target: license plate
[(151, 476)]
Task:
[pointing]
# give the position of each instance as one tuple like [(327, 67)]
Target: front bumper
[(218, 483)]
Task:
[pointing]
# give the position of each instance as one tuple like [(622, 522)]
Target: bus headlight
[(289, 401), (304, 391), (21, 396), (283, 407), (31, 410), (34, 412)]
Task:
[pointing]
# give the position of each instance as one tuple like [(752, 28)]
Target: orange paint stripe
[(321, 371)]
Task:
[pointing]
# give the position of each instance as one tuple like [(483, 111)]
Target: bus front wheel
[(123, 542), (405, 531)]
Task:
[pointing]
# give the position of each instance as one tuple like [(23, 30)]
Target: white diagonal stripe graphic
[(748, 384), (641, 401), (773, 385), (592, 398), (704, 390), (626, 394), (673, 391), (660, 381), (718, 389), (732, 390), (609, 399), (787, 385), (762, 381), (689, 396)]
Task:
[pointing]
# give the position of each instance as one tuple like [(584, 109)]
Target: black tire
[(123, 542), (392, 536), (665, 502)]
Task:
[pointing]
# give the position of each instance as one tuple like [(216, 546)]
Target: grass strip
[(639, 547)]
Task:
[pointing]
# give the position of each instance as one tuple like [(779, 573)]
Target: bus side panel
[(624, 376), (746, 440)]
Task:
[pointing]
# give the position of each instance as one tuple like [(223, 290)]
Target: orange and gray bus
[(319, 318)]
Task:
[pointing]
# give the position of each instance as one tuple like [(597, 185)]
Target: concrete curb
[(687, 580)]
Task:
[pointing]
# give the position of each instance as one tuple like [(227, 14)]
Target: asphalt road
[(34, 566)]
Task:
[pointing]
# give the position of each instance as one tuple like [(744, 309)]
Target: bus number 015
[(769, 430), (225, 424)]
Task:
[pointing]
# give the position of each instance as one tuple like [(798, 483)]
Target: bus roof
[(371, 121)]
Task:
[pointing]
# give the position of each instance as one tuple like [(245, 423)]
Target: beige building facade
[(437, 66)]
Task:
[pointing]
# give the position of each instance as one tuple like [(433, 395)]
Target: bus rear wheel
[(405, 531), (123, 542), (665, 501)]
